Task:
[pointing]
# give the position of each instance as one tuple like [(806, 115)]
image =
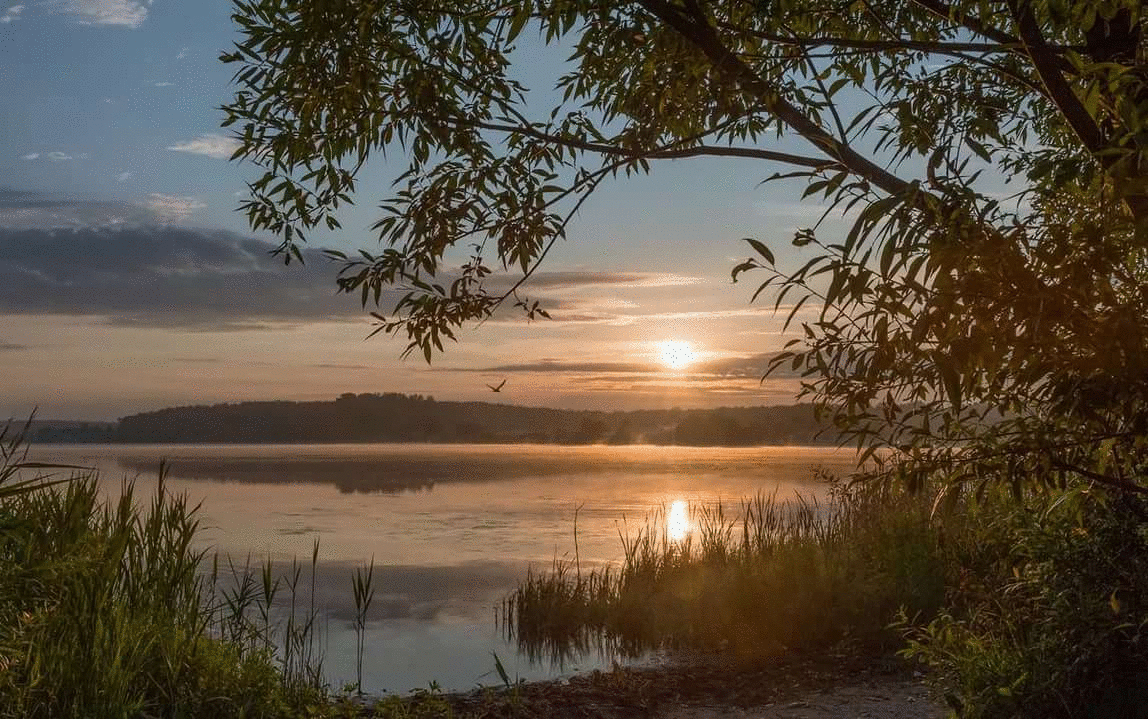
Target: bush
[(1048, 612)]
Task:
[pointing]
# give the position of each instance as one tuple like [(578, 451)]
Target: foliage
[(952, 313), (1050, 616), (86, 587), (782, 576)]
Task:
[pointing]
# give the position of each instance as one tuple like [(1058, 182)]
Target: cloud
[(182, 53), (125, 13), (163, 276), (11, 347), (737, 367), (570, 280), (329, 365), (164, 84), (33, 210), (124, 176), (54, 156), (560, 366), (171, 208), (577, 314), (211, 144), (12, 14), (749, 367)]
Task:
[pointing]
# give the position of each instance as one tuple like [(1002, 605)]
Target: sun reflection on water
[(678, 521)]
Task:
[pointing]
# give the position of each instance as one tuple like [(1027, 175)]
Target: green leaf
[(518, 22), (981, 151), (761, 249), (743, 267)]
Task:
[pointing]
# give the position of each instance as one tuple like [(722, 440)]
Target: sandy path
[(869, 699)]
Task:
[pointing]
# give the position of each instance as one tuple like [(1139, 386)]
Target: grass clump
[(105, 610), (108, 610), (779, 576), (103, 614)]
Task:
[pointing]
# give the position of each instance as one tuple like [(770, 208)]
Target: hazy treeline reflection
[(415, 469)]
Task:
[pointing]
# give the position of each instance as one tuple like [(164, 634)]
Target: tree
[(975, 333)]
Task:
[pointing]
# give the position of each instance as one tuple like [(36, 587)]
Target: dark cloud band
[(164, 277), (167, 276)]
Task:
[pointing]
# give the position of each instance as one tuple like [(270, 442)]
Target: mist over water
[(451, 528)]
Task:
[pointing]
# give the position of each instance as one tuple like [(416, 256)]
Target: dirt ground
[(881, 698), (821, 687)]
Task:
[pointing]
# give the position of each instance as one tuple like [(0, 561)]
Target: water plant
[(85, 585), (777, 575), (14, 463), (363, 594)]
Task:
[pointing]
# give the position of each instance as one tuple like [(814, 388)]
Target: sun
[(677, 355)]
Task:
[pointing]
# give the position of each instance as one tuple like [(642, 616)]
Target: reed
[(108, 609), (776, 576), (363, 593)]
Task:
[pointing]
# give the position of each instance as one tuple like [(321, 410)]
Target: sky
[(129, 282)]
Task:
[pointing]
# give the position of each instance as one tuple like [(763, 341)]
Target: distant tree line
[(393, 417), (60, 431)]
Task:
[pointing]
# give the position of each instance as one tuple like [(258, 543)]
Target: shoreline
[(795, 686)]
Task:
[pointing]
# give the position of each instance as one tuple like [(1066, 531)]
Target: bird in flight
[(498, 388)]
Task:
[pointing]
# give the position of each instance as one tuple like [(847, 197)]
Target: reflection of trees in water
[(387, 474), (346, 475), (396, 473)]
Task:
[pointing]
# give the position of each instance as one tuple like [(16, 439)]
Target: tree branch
[(1020, 79), (874, 45), (1060, 92), (1044, 61), (968, 22), (663, 154), (1114, 483), (701, 34)]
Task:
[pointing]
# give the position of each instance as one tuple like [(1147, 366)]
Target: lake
[(452, 529)]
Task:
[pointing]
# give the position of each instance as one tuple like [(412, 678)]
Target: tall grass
[(108, 609), (363, 594), (779, 575)]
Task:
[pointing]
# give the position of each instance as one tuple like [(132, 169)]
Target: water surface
[(451, 528)]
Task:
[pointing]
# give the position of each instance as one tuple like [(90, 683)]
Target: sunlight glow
[(676, 355), (678, 521)]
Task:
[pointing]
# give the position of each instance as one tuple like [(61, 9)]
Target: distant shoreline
[(418, 419)]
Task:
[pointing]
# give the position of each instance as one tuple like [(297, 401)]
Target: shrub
[(1049, 610)]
